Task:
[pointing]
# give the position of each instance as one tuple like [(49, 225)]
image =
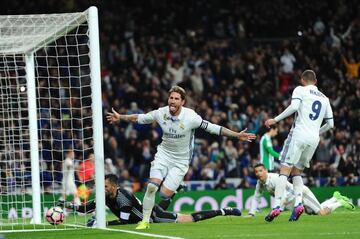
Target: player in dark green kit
[(267, 153)]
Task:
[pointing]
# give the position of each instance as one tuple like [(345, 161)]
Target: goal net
[(50, 118)]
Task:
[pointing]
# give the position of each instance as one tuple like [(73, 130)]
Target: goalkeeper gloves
[(69, 205), (60, 203), (91, 222)]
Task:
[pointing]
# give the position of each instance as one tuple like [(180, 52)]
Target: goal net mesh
[(60, 45)]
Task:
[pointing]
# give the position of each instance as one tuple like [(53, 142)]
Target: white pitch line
[(263, 235), (46, 229), (35, 230), (142, 233), (81, 227), (131, 232), (76, 225)]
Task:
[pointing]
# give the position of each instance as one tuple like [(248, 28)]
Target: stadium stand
[(238, 63)]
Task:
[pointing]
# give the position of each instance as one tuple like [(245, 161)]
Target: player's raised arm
[(114, 117), (243, 136), (292, 108), (329, 120), (220, 130)]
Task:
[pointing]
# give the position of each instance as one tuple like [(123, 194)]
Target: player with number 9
[(312, 107)]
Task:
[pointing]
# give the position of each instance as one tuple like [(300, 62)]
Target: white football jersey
[(178, 132), (68, 171), (269, 186), (314, 108), (68, 180), (309, 199)]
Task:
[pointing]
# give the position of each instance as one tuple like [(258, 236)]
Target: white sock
[(149, 201), (328, 201), (331, 204), (298, 189), (280, 189), (222, 212)]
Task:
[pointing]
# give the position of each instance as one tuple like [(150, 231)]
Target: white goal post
[(51, 121)]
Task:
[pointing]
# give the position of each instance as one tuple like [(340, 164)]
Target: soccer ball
[(55, 215)]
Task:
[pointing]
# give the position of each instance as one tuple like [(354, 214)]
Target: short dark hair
[(309, 75), (69, 151), (179, 90), (112, 178), (259, 165)]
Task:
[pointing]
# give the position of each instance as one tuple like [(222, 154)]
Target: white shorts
[(310, 202), (69, 187), (297, 153), (172, 173)]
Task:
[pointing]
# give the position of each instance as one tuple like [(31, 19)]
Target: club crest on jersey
[(182, 126)]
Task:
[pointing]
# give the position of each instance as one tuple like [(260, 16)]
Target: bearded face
[(175, 103)]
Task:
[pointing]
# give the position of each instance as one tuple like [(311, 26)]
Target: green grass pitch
[(340, 224)]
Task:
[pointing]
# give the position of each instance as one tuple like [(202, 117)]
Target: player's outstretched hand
[(71, 206), (113, 116), (246, 136), (68, 205), (270, 122), (60, 203)]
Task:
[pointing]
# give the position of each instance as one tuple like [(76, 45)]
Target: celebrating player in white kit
[(173, 155), (312, 108), (267, 182), (68, 179)]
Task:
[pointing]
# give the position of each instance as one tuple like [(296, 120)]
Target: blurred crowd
[(238, 67), (239, 62)]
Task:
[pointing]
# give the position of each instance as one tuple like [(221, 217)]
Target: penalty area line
[(142, 233)]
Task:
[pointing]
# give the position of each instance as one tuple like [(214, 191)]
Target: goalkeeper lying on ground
[(127, 207)]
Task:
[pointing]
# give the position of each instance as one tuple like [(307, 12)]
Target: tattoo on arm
[(129, 118), (227, 132)]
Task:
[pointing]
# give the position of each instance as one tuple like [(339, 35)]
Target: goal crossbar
[(32, 39)]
